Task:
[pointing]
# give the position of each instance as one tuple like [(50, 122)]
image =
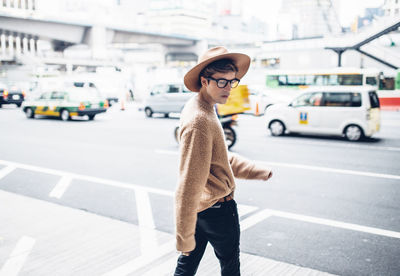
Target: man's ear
[(203, 81)]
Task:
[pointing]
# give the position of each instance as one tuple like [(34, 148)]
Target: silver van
[(166, 98)]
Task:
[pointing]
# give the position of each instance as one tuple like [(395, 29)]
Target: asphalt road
[(332, 205)]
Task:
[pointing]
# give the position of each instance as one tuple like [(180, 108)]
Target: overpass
[(360, 42), (21, 26)]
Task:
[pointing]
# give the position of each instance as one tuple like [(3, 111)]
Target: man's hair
[(219, 66)]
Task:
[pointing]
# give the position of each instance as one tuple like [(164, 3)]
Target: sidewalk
[(43, 238)]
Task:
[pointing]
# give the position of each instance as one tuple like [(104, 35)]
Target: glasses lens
[(221, 83), (234, 83)]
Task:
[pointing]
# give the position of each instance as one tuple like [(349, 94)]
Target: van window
[(55, 95), (373, 99), (371, 81), (173, 89), (309, 99), (342, 99), (79, 84)]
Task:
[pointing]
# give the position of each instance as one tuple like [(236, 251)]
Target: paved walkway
[(43, 238)]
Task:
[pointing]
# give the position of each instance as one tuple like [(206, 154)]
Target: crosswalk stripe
[(17, 257), (61, 186), (6, 170)]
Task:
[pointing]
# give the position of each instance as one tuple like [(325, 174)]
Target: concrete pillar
[(3, 44), (25, 45), (8, 3), (11, 45), (32, 48), (30, 4), (23, 4), (18, 46), (98, 42)]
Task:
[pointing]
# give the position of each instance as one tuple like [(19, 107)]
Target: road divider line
[(245, 209), (265, 213), (60, 188), (99, 180), (18, 256), (254, 219), (143, 260), (6, 170), (314, 168), (148, 238), (332, 170), (169, 152)]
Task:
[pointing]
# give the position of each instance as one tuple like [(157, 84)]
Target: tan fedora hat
[(242, 62)]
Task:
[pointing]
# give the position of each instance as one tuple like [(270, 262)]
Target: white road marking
[(108, 182), (314, 168), (254, 219), (18, 256), (143, 260), (245, 209), (148, 238), (169, 152), (333, 170), (61, 186), (6, 170)]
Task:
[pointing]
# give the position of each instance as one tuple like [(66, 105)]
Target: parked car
[(66, 103), (11, 94), (353, 112), (166, 99)]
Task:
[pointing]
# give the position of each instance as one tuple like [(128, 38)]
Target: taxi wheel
[(91, 117), (64, 115), (230, 136), (353, 133), (176, 133), (148, 112), (29, 113), (277, 128)]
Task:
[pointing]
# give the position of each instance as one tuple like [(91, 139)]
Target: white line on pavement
[(18, 256), (170, 152), (143, 260), (245, 209), (61, 186), (314, 168), (254, 219), (5, 171), (325, 169), (148, 238), (108, 182)]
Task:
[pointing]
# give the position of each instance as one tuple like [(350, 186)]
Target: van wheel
[(277, 128), (353, 133), (148, 112)]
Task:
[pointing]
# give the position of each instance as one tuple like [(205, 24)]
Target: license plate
[(15, 97)]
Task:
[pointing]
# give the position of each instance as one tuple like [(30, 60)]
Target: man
[(204, 205)]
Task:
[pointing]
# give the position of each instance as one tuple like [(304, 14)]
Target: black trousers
[(218, 225)]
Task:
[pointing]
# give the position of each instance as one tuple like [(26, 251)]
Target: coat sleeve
[(245, 169), (194, 169)]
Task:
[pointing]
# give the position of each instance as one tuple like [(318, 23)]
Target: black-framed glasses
[(221, 83)]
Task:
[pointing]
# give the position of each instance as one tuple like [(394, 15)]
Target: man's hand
[(269, 176)]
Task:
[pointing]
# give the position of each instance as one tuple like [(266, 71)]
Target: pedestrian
[(204, 202)]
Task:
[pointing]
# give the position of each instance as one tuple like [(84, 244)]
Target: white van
[(167, 98), (353, 112)]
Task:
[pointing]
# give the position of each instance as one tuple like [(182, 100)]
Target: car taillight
[(105, 105), (234, 117), (5, 94), (23, 94), (81, 106)]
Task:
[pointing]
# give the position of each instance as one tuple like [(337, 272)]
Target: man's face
[(218, 95)]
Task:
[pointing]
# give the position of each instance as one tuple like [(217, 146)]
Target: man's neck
[(205, 97)]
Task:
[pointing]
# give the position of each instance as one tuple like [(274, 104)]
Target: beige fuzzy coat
[(206, 171)]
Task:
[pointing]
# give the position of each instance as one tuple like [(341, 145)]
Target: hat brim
[(242, 62)]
